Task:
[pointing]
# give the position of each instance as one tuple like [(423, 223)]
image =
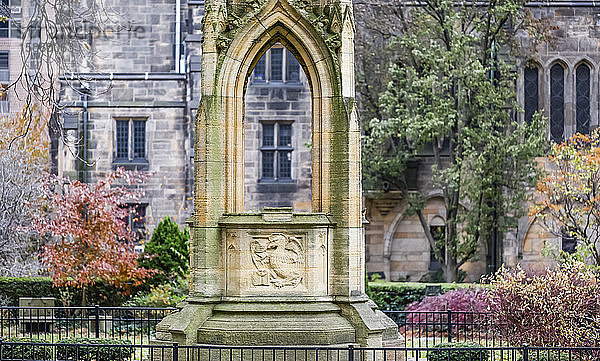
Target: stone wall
[(396, 246), (15, 95)]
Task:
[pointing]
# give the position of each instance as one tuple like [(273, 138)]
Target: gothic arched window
[(531, 92), (557, 103), (582, 88)]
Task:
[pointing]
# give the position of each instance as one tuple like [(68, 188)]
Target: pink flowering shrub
[(467, 306), (464, 299), (560, 307)]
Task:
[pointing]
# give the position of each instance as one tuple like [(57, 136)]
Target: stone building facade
[(560, 78), (140, 115), (12, 100), (138, 109)]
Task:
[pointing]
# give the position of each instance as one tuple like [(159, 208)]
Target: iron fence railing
[(428, 328), (136, 324), (20, 351)]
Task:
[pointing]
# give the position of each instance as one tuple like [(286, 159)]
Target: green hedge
[(101, 293), (395, 296), (448, 351), (96, 349), (35, 350), (67, 349)]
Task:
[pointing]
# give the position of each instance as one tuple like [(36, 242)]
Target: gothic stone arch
[(236, 34), (336, 135)]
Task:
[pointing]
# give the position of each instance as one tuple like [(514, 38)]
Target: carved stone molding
[(223, 20)]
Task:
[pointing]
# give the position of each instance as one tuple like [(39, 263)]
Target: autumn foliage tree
[(568, 201), (91, 240)]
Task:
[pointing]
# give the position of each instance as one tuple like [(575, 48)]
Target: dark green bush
[(100, 293), (96, 349), (33, 350), (15, 287), (167, 251), (395, 296), (458, 351), (549, 355)]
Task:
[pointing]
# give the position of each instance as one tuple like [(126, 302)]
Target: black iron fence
[(14, 351), (428, 328), (136, 324)]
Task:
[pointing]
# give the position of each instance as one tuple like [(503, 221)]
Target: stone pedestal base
[(270, 323), (260, 321)]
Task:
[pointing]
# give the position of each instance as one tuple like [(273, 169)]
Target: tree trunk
[(452, 237), (451, 270), (83, 298)]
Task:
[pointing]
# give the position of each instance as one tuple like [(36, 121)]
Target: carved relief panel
[(276, 262), (279, 261)]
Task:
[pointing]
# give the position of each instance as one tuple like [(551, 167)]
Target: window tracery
[(582, 100), (557, 103)]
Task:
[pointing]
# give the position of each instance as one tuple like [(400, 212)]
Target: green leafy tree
[(451, 92), (167, 251)]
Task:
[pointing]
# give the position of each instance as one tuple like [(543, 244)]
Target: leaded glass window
[(284, 164), (130, 139), (276, 64), (267, 164), (557, 103), (268, 135), (259, 69), (10, 27), (582, 104), (285, 135), (139, 139), (276, 151), (531, 92), (122, 139), (293, 67)]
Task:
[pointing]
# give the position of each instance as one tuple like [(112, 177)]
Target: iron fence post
[(175, 351), (449, 325), (350, 352), (525, 352), (97, 325)]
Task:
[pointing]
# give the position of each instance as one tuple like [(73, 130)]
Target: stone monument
[(278, 277)]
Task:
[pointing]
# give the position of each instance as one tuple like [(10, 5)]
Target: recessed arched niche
[(277, 134)]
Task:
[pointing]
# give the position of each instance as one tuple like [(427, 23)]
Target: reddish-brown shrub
[(560, 307)]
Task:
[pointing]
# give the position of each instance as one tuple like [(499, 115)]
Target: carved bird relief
[(279, 263)]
